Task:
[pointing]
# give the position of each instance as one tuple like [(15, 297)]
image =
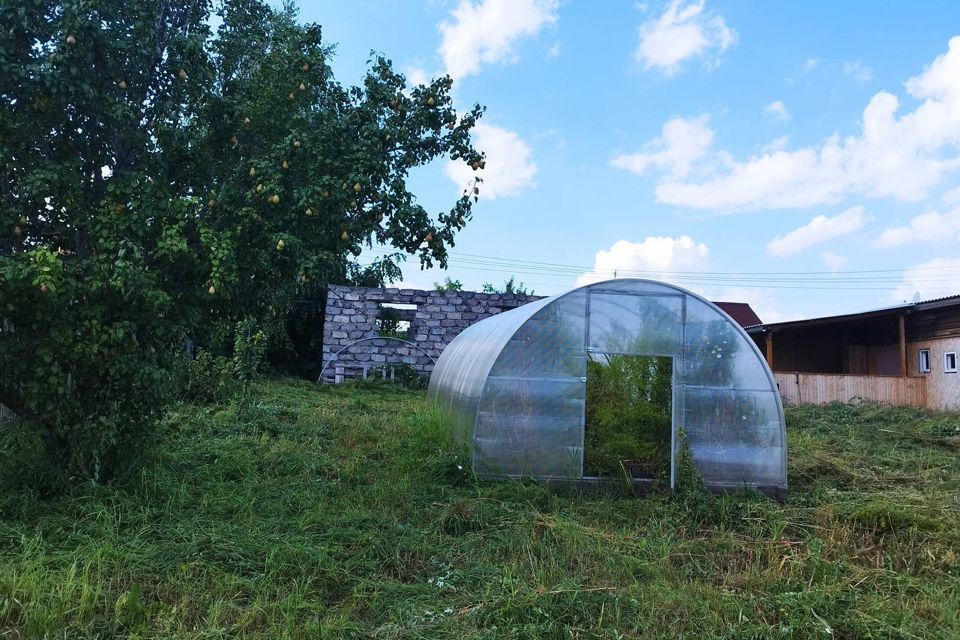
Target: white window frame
[(946, 362), (923, 364)]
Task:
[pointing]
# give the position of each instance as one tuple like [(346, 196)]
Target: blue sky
[(802, 157)]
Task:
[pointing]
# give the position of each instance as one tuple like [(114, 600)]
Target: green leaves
[(131, 220)]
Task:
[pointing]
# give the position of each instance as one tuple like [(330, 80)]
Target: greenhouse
[(599, 382)]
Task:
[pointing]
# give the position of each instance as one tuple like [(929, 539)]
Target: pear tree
[(171, 169)]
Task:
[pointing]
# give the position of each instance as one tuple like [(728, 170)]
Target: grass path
[(339, 513)]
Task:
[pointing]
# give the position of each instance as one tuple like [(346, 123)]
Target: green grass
[(340, 512)]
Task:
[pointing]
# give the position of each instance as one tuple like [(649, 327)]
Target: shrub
[(211, 379), (628, 416)]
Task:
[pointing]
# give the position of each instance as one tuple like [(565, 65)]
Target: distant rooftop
[(741, 312), (907, 307)]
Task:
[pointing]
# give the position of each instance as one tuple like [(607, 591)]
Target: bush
[(628, 416), (210, 379), (85, 356)]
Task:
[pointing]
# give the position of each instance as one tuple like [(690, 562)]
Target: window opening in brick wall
[(924, 364), (394, 319)]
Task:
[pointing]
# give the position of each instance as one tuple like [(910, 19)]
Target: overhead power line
[(819, 280)]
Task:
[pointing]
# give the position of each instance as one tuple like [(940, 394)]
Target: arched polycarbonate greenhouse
[(598, 382)]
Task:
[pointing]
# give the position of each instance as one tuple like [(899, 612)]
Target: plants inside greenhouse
[(628, 417)]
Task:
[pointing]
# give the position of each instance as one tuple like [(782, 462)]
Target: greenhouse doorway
[(628, 418)]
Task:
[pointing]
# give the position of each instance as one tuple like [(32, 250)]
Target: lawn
[(340, 512)]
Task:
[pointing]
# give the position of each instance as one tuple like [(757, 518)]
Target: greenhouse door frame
[(678, 357)]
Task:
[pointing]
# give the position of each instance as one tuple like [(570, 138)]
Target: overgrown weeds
[(343, 513)]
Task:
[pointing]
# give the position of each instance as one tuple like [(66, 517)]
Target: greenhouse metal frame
[(514, 385)]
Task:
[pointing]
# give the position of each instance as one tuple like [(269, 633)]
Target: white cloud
[(554, 51), (758, 299), (777, 144), (928, 227), (509, 164), (810, 64), (416, 76), (857, 70), (934, 279), (486, 32), (661, 255), (818, 230), (681, 142), (777, 110), (903, 156), (684, 31), (666, 258), (833, 261), (952, 196)]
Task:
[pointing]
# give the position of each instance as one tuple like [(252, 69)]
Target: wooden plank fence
[(821, 388)]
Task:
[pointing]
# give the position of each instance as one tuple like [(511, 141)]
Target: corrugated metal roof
[(910, 306), (944, 299)]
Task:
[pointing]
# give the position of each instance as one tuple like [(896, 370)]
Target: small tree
[(448, 285), (509, 286)]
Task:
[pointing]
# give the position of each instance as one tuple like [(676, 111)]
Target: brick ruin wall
[(356, 313)]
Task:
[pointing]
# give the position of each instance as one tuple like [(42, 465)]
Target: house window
[(924, 366), (950, 362)]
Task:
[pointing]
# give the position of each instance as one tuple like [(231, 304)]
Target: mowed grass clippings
[(341, 512)]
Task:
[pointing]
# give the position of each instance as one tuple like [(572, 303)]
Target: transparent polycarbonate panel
[(532, 396), (549, 344), (530, 427), (729, 410), (636, 324), (531, 413), (735, 436), (527, 458), (635, 286), (718, 354), (461, 371)]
